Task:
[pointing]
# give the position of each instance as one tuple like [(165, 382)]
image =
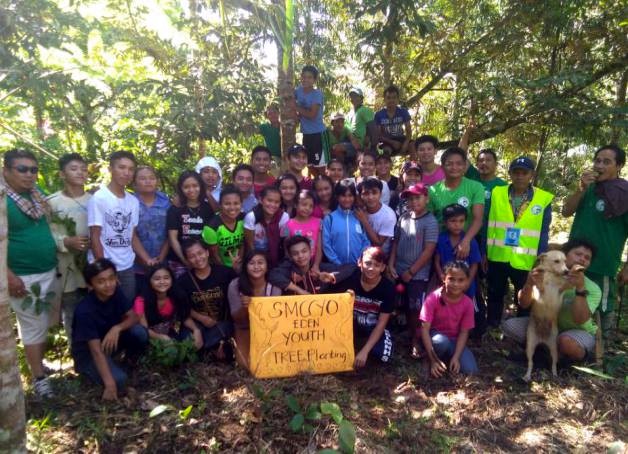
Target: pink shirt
[(435, 177), (317, 212), (449, 319), (165, 311), (309, 229)]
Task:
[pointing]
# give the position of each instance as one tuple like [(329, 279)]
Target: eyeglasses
[(24, 169)]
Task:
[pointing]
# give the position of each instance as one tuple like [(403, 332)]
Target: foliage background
[(172, 80)]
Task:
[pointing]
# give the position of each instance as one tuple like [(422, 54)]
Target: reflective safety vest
[(517, 242)]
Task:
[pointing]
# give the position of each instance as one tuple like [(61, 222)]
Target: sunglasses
[(24, 169)]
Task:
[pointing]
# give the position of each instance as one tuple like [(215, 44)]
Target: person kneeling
[(297, 276), (162, 305), (206, 286), (373, 307), (104, 324), (252, 282), (447, 316), (576, 338)]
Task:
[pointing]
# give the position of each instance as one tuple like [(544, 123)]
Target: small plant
[(171, 354), (304, 418), (40, 302)]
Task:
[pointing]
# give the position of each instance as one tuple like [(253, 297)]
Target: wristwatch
[(582, 293)]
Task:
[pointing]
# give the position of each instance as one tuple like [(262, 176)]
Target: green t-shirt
[(272, 137), (565, 317), (31, 249), (467, 194), (357, 120), (607, 235), (473, 174), (228, 241), (344, 136)]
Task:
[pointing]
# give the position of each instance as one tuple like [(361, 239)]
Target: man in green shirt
[(600, 205), (358, 118), (271, 132), (456, 188), (31, 259), (341, 140)]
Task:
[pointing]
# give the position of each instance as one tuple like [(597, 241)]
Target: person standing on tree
[(394, 122), (271, 132), (309, 101), (69, 206), (518, 231), (31, 260), (358, 118), (600, 205)]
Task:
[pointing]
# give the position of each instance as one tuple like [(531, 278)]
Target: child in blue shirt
[(310, 110), (343, 237), (454, 217)]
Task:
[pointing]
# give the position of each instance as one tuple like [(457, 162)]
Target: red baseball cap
[(415, 189)]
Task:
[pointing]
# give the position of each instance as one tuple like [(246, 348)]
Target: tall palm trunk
[(285, 79), (12, 419)]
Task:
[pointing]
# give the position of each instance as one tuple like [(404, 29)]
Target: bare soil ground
[(393, 408)]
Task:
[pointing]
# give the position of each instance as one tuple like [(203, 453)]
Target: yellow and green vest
[(515, 241)]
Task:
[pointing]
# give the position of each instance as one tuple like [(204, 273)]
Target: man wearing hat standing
[(518, 231), (358, 118)]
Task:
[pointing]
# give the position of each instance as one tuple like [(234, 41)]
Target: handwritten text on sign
[(302, 333)]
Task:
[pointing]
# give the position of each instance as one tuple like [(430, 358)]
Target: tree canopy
[(171, 80)]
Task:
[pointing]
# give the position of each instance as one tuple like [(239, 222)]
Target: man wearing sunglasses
[(31, 259)]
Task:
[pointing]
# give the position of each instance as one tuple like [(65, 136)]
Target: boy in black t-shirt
[(105, 323), (374, 304), (206, 287)]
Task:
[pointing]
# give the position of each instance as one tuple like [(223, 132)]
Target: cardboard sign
[(302, 333)]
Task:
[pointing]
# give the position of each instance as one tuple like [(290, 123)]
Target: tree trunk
[(621, 101), (12, 418)]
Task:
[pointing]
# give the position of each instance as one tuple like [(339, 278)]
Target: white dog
[(547, 297)]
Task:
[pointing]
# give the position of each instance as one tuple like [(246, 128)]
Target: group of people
[(127, 267)]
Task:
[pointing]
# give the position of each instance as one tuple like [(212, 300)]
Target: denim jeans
[(133, 341), (446, 346), (126, 279)]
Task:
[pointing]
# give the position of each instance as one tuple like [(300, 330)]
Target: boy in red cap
[(414, 243)]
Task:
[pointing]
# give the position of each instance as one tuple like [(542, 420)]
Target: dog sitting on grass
[(550, 277)]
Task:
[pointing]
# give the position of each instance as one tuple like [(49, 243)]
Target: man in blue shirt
[(310, 111), (394, 122)]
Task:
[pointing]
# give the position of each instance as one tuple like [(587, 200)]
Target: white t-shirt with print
[(383, 222), (117, 218), (260, 240)]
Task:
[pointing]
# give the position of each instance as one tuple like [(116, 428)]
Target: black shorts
[(317, 152)]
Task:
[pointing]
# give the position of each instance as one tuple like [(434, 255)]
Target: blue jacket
[(343, 237)]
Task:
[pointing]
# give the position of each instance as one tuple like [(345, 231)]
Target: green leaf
[(292, 403), (26, 302), (327, 451), (312, 413), (36, 289), (332, 409), (159, 409), (184, 414), (597, 373), (297, 422), (346, 436)]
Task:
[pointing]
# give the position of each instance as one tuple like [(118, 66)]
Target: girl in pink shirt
[(447, 317), (306, 225), (161, 306)]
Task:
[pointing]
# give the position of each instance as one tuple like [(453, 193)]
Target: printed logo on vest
[(487, 194), (536, 209), (463, 201), (600, 205)]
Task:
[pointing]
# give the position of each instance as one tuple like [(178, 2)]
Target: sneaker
[(42, 387)]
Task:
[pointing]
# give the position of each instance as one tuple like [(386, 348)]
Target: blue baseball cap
[(522, 162)]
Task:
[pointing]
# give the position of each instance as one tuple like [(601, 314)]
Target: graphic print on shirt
[(366, 311), (187, 230), (117, 233), (209, 302)]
